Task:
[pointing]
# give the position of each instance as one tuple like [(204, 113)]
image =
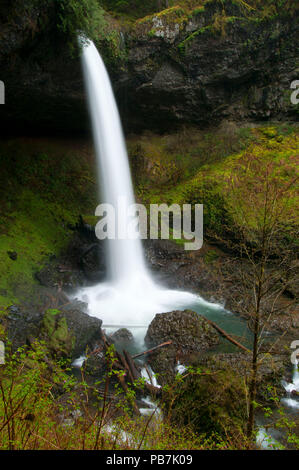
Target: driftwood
[(149, 351), (133, 369), (125, 362), (225, 335), (121, 364)]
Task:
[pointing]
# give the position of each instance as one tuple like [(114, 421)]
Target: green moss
[(209, 403), (197, 11), (211, 256), (43, 189), (166, 18), (182, 46), (169, 11), (151, 33), (55, 330)]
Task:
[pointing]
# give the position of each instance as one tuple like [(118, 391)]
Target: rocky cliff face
[(211, 65), (43, 82)]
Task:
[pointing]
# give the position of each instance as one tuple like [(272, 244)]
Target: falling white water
[(124, 256), (130, 297), (291, 388), (150, 380)]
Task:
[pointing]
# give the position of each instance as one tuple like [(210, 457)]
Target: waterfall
[(129, 297), (125, 258)]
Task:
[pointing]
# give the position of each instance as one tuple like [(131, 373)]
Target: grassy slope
[(44, 187)]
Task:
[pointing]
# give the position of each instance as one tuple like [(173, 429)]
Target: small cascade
[(292, 389)]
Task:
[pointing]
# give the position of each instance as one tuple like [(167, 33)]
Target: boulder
[(190, 334), (188, 331), (54, 331), (70, 331), (21, 325), (122, 337), (270, 371), (210, 403)]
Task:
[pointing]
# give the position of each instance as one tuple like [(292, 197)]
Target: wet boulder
[(69, 331), (122, 337), (190, 334), (21, 325)]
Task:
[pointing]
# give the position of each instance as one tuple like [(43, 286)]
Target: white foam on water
[(180, 368), (145, 375), (79, 362), (291, 387)]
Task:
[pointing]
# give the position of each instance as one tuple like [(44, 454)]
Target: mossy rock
[(69, 331), (55, 330), (211, 403)]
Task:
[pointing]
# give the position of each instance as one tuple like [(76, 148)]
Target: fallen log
[(225, 335), (131, 364), (122, 365), (127, 368), (149, 351)]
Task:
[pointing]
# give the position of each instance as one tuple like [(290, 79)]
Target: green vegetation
[(44, 188), (55, 330), (43, 407), (202, 167), (213, 403)]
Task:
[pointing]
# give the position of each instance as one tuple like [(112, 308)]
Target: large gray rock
[(22, 326), (186, 329), (122, 337), (190, 334)]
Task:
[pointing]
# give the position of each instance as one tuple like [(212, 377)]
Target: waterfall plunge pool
[(133, 305)]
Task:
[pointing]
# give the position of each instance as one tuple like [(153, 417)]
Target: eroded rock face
[(190, 334), (178, 69), (186, 70), (82, 261)]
